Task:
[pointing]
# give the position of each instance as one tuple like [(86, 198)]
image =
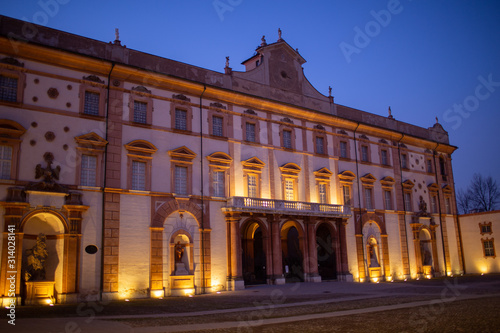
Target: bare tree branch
[(482, 195)]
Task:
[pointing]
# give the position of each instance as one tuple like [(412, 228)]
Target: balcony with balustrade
[(271, 206)]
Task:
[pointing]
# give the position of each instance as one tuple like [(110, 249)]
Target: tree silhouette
[(482, 195)]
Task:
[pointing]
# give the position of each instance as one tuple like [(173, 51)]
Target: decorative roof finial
[(329, 91), (227, 69), (390, 113), (437, 121), (279, 35), (263, 39), (117, 37)]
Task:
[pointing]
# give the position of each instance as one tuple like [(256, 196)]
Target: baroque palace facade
[(145, 177)]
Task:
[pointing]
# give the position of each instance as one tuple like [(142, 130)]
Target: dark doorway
[(292, 257), (254, 256), (327, 263)]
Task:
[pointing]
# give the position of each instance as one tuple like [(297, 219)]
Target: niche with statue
[(38, 289), (182, 268)]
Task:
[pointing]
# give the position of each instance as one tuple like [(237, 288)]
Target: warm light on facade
[(158, 293), (189, 292)]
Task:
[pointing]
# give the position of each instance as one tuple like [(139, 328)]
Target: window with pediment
[(181, 166), (289, 178), (407, 195), (368, 182), (387, 188), (90, 151), (139, 164), (141, 106), (92, 96), (323, 177), (10, 141), (346, 179), (252, 171), (219, 164), (12, 81)]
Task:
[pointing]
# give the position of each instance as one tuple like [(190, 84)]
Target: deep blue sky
[(428, 56)]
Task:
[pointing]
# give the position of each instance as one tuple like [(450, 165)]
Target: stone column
[(435, 260), (71, 267), (156, 264), (343, 273), (113, 175), (416, 244), (404, 246), (361, 258), (72, 247), (11, 260), (385, 256), (277, 273), (312, 275), (206, 258), (234, 273)]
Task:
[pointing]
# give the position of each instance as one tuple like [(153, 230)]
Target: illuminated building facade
[(151, 177)]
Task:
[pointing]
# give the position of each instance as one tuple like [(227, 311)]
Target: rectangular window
[(489, 250), (5, 161), (320, 148), (252, 186), (219, 184), (289, 195), (347, 195), (408, 201), (181, 119), (91, 105), (364, 153), (404, 162), (322, 193), (250, 132), (429, 166), (448, 205), (368, 197), (140, 112), (343, 149), (434, 204), (180, 180), (388, 200), (486, 229), (138, 175), (8, 88), (88, 171), (217, 126), (287, 139), (385, 161)]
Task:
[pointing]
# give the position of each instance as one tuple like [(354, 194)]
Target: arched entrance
[(292, 248), (254, 254), (327, 256)]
